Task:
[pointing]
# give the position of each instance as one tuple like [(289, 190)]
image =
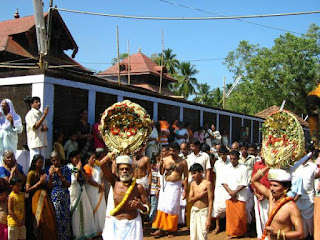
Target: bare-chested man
[(287, 221), (201, 197), (142, 169), (171, 168), (124, 222)]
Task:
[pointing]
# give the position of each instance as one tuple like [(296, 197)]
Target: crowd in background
[(67, 197)]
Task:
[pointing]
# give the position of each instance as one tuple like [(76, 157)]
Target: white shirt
[(153, 134), (219, 169), (307, 173), (182, 132), (235, 177), (248, 163), (202, 158), (36, 138), (216, 135)]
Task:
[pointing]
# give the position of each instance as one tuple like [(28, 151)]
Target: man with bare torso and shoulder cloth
[(142, 169), (171, 167), (285, 221), (123, 222)]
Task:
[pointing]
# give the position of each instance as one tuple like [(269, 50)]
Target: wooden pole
[(161, 71), (224, 93), (128, 63), (118, 56)]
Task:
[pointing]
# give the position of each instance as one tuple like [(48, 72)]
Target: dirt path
[(183, 234)]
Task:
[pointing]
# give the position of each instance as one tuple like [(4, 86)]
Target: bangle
[(147, 211), (278, 234)]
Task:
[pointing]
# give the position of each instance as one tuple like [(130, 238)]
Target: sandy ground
[(183, 234)]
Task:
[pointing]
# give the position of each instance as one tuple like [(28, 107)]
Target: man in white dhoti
[(220, 193), (10, 127), (142, 169), (308, 172), (124, 222)]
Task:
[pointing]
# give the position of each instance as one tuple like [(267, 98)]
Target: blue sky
[(190, 40)]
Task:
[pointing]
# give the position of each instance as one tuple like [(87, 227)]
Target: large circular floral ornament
[(125, 127), (282, 140)]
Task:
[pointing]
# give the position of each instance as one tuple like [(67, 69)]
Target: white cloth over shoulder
[(198, 218), (8, 133), (124, 229), (143, 181)]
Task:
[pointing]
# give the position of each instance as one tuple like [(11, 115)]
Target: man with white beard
[(123, 222)]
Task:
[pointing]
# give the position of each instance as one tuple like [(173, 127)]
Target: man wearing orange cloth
[(235, 183), (172, 167), (284, 221)]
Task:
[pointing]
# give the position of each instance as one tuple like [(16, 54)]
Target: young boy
[(201, 196), (16, 209), (3, 214), (71, 145), (154, 190)]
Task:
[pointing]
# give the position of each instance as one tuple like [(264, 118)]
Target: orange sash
[(274, 211)]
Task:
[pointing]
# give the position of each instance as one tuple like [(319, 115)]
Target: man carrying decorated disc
[(284, 220), (124, 222)]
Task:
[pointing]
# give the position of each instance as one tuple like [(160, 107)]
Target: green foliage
[(121, 57), (286, 71), (169, 60)]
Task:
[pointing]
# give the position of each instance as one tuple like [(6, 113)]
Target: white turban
[(279, 175), (124, 159)]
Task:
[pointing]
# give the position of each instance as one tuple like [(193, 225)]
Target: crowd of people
[(178, 178)]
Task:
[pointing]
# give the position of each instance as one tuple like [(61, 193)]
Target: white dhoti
[(124, 229), (143, 181), (198, 229), (261, 213), (306, 208), (219, 204)]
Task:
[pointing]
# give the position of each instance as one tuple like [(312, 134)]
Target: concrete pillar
[(119, 98), (230, 134), (91, 107), (201, 118), (251, 131), (218, 122), (155, 111), (181, 114)]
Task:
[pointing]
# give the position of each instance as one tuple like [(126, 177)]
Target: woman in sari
[(81, 212), (95, 191), (58, 179), (40, 214)]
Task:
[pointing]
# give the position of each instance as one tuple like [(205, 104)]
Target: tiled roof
[(139, 64), (267, 112), (9, 42)]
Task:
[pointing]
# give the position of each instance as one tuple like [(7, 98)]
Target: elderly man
[(172, 168), (37, 128), (123, 222), (10, 127), (285, 221)]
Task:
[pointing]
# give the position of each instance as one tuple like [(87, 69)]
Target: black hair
[(175, 145), (196, 167), (34, 161), (252, 145), (223, 149), (287, 185), (243, 144), (196, 142), (33, 99), (153, 159), (73, 154), (235, 153), (2, 189), (15, 180), (205, 147), (99, 153)]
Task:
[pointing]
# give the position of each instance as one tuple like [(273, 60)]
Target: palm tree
[(169, 60), (203, 94), (186, 84)]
